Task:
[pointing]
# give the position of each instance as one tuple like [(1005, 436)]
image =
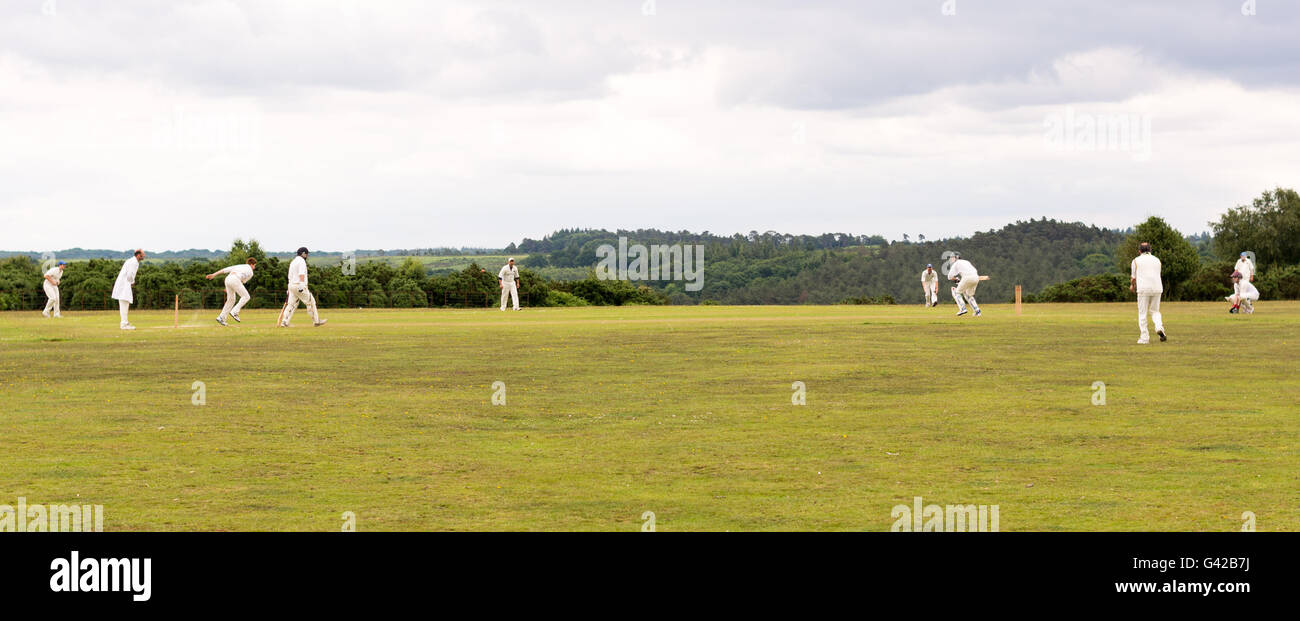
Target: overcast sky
[(343, 124)]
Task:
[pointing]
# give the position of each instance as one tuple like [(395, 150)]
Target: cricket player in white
[(1144, 279), (298, 291), (967, 280), (122, 288), (51, 285), (930, 283), (1244, 295), (1246, 267), (508, 278), (236, 276)]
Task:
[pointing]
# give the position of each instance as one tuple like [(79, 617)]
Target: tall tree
[(1178, 258), (1269, 226)]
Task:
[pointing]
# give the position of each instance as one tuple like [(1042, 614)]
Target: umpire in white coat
[(122, 288)]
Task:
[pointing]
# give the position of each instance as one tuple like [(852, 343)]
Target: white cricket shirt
[(55, 274), (1146, 269), (243, 271), (964, 268), (1246, 268), (1246, 290), (298, 267), (508, 274)]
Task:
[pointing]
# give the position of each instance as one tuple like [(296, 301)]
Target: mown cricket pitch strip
[(685, 412)]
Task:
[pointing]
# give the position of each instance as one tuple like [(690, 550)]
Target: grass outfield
[(682, 411)]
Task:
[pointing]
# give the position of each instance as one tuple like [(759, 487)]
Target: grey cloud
[(825, 55)]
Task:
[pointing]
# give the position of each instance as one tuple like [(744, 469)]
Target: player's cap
[(929, 265), (1236, 274), (510, 260), (1244, 254), (303, 250), (61, 263)]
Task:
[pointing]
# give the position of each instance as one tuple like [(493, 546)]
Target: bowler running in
[(236, 277)]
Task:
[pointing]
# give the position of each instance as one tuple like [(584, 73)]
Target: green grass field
[(682, 411)]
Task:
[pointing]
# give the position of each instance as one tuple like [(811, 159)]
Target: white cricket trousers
[(52, 306), (510, 290), (1246, 301), (966, 289), (296, 295), (931, 292), (123, 307), (234, 287), (1149, 302)]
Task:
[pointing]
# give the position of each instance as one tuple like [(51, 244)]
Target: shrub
[(408, 294), (91, 294), (561, 298), (611, 292), (1178, 258), (1280, 283), (1097, 288), (1212, 282), (10, 301)]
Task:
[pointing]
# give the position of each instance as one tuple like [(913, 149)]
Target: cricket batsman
[(51, 285), (508, 278), (930, 284), (967, 279), (298, 291), (1244, 294), (122, 288), (236, 276), (1144, 279)]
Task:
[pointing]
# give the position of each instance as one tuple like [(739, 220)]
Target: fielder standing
[(1244, 294), (298, 291), (508, 278), (967, 280), (930, 283), (1144, 279), (51, 285), (1246, 267), (236, 276), (122, 288)]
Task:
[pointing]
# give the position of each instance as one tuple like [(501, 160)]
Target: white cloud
[(455, 124)]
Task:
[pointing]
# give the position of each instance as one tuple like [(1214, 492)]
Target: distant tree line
[(1053, 261), (1199, 267), (81, 254), (577, 247), (89, 285), (771, 268)]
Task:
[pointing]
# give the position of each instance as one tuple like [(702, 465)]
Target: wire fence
[(191, 299)]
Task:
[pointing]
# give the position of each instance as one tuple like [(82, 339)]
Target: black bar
[(954, 571)]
